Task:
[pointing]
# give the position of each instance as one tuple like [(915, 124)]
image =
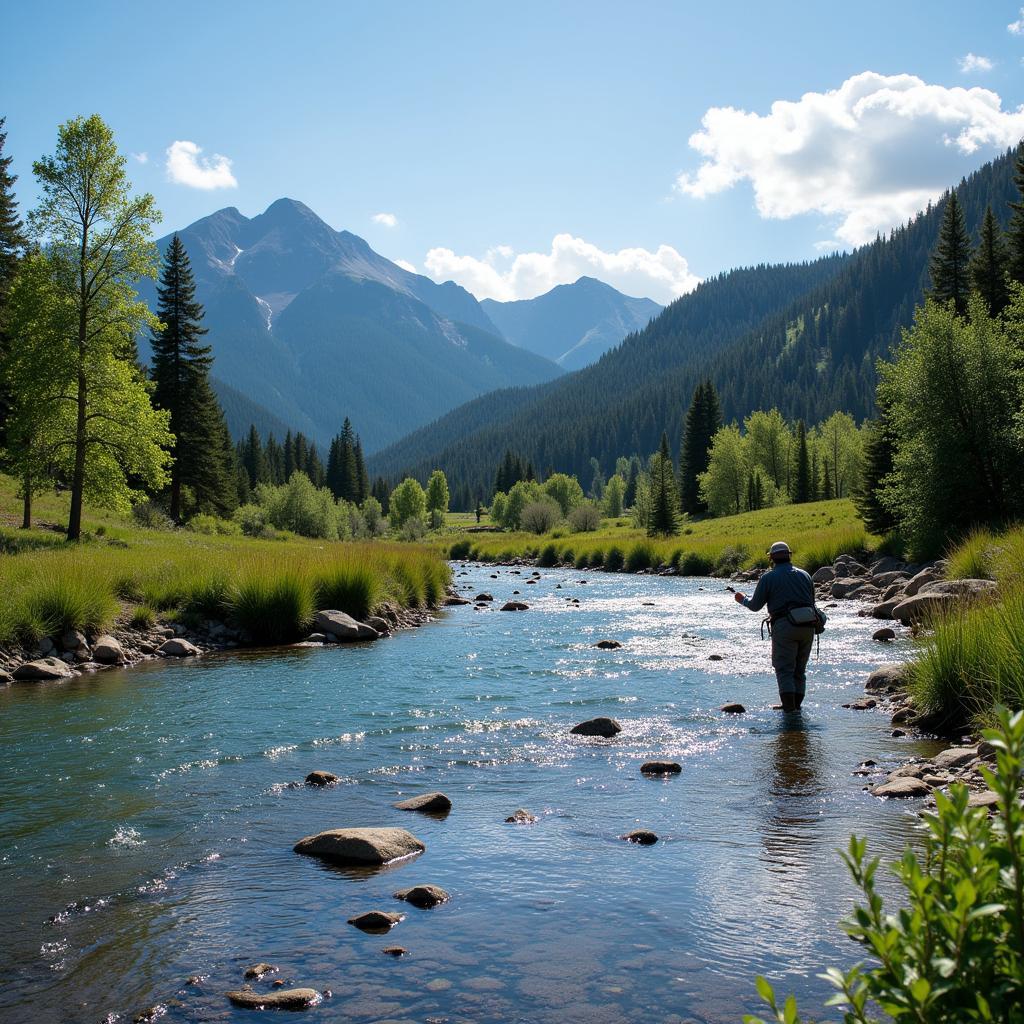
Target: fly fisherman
[(789, 594)]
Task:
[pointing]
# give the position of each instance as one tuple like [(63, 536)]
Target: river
[(148, 817)]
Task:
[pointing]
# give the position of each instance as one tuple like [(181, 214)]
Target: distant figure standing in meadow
[(789, 594)]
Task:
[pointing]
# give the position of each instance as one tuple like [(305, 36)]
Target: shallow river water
[(147, 821)]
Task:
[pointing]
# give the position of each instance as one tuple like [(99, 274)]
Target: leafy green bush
[(548, 556), (614, 560), (213, 526), (585, 518), (641, 556), (730, 559), (695, 563), (459, 549), (413, 529), (540, 516), (150, 515), (955, 952), (596, 558)]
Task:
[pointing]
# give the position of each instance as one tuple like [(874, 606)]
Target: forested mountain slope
[(803, 338)]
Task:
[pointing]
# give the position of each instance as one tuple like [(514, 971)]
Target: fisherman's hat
[(780, 547)]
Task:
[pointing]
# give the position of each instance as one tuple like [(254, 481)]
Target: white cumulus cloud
[(389, 220), (869, 154), (142, 158), (973, 62), (1016, 28), (406, 265), (504, 274), (186, 166)]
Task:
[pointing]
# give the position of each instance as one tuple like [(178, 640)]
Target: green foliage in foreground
[(955, 952)]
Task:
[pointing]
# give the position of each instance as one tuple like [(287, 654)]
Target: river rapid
[(147, 817)]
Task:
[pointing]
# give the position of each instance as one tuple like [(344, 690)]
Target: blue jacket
[(781, 588)]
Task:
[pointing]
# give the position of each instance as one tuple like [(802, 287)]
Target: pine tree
[(989, 266), (703, 419), (362, 477), (253, 460), (12, 246), (381, 492), (664, 509), (802, 482), (629, 498), (289, 456), (1015, 231), (950, 263), (274, 454), (879, 448), (348, 467), (181, 385)]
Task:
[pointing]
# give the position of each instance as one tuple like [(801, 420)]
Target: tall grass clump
[(459, 549), (207, 595), (614, 560), (642, 555), (548, 556), (272, 605), (596, 558), (972, 661), (826, 549), (581, 560), (61, 599), (142, 617), (407, 584), (436, 577), (355, 588)]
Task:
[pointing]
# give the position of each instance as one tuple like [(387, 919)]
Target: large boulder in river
[(515, 606), (484, 597), (604, 727), (641, 836), (361, 845), (847, 587), (177, 647), (377, 921), (923, 606), (321, 778), (661, 768), (282, 999), (429, 803), (890, 678), (826, 574), (922, 579), (966, 589), (343, 627), (108, 651), (608, 645), (43, 668)]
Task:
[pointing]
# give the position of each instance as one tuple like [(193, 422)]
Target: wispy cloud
[(504, 274), (1016, 28), (185, 166), (972, 63), (389, 220), (869, 154), (406, 265), (142, 158)]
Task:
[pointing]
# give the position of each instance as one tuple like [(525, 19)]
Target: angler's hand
[(739, 597)]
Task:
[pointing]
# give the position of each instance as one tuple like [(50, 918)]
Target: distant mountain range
[(309, 325), (573, 325), (803, 338)]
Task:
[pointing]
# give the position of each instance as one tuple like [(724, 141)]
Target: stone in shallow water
[(43, 668), (177, 647), (521, 816), (258, 970), (423, 896), (515, 606), (733, 709), (661, 768), (715, 657), (321, 778), (884, 635), (605, 727), (608, 645), (376, 920), (395, 951), (641, 836), (361, 845), (906, 786), (429, 803), (285, 999)]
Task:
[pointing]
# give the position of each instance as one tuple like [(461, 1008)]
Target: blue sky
[(513, 147)]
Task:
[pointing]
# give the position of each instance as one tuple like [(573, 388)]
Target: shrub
[(211, 526), (548, 556), (596, 558), (730, 559), (585, 518), (955, 951), (351, 587), (540, 516), (695, 564), (641, 556), (581, 560), (252, 519), (459, 549), (150, 515), (272, 605), (413, 529), (568, 556), (614, 560)]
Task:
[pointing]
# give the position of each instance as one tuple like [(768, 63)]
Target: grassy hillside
[(817, 532), (122, 571)]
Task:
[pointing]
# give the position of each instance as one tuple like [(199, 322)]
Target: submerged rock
[(515, 606), (484, 597), (453, 600), (521, 816), (321, 778), (395, 951), (605, 727), (361, 845), (608, 645), (733, 709), (285, 999), (259, 970), (661, 768), (641, 836), (715, 657), (429, 803), (423, 896), (376, 920)]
